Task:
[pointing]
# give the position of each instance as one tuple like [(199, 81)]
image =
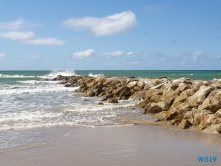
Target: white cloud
[(2, 55), (113, 54), (110, 64), (32, 58), (105, 26), (83, 54), (17, 35), (15, 25), (130, 53), (196, 54), (28, 37), (217, 57), (134, 63), (45, 41)]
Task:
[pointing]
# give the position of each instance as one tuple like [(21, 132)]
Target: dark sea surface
[(195, 74)]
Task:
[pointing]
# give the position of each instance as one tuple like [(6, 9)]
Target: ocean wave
[(55, 73), (95, 75), (38, 82), (14, 76), (28, 120), (39, 89), (84, 115)]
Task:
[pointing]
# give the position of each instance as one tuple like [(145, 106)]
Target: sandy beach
[(122, 145)]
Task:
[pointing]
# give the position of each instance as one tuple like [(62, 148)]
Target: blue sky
[(116, 34)]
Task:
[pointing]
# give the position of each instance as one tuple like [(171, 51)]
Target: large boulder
[(132, 84), (180, 104), (89, 93), (185, 124), (198, 98), (212, 102), (141, 84), (158, 86), (199, 116), (106, 96), (218, 113), (155, 107), (143, 103), (154, 95), (168, 98), (120, 90), (172, 114), (196, 85), (182, 87), (137, 88), (216, 128), (216, 83)]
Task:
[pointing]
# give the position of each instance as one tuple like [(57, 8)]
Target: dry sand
[(139, 145)]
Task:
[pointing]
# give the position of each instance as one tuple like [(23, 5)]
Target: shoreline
[(122, 145), (184, 102)]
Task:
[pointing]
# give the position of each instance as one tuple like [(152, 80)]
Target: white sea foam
[(78, 114), (27, 116), (55, 73), (38, 82), (14, 76), (36, 89), (95, 75)]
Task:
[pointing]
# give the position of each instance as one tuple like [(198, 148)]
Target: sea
[(35, 111)]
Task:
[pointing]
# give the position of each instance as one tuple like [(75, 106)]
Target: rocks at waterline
[(184, 102)]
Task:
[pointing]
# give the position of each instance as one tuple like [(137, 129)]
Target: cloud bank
[(83, 54), (28, 37), (114, 54), (12, 32), (45, 41), (17, 35), (16, 25), (105, 26)]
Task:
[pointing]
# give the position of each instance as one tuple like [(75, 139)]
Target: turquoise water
[(195, 74)]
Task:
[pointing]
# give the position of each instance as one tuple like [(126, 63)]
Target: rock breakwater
[(182, 102)]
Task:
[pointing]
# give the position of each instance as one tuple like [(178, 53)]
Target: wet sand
[(139, 145)]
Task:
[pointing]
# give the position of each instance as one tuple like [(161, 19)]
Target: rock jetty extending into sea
[(182, 102)]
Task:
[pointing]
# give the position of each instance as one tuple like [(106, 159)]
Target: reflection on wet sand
[(123, 145)]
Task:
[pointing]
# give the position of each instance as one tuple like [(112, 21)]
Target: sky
[(110, 35)]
